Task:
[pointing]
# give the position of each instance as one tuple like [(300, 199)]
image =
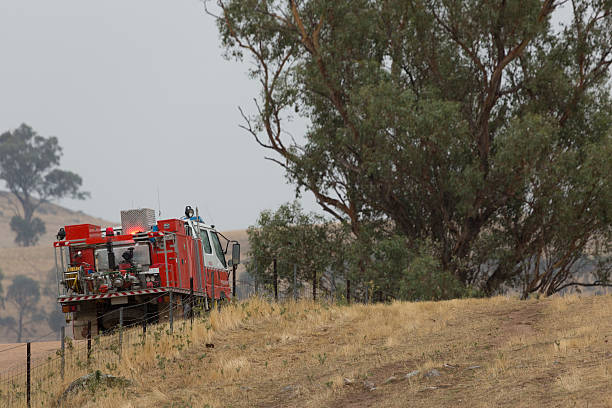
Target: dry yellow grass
[(489, 353)]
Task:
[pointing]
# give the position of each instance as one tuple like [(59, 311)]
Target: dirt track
[(13, 355)]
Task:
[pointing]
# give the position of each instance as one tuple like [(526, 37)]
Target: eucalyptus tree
[(24, 294), (29, 167), (481, 127), (295, 240)]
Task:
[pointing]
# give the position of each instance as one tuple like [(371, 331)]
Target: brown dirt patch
[(13, 355)]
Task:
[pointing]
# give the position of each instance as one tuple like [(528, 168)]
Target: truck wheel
[(222, 301)]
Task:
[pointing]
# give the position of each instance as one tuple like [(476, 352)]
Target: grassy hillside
[(54, 217), (464, 353)]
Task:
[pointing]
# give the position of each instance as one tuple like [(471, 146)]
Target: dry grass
[(489, 352)]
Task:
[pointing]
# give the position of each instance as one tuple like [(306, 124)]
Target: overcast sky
[(140, 98)]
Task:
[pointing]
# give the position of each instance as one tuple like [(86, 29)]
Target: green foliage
[(28, 232), (28, 165), (424, 279), (24, 293), (482, 128), (56, 320), (293, 238)]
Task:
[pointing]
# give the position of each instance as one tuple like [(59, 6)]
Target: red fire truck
[(139, 267)]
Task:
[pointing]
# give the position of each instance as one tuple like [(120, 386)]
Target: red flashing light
[(110, 232)]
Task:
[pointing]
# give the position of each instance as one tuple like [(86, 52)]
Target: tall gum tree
[(480, 126), (29, 167)]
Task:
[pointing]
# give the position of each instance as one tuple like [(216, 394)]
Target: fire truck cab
[(133, 271)]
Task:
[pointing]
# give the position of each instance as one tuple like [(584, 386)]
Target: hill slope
[(464, 353), (53, 215)]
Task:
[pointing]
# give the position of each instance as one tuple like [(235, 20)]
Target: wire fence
[(39, 381), (328, 288)]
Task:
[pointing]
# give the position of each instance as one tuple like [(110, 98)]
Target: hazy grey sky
[(140, 97)]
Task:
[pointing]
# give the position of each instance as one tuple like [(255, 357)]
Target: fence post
[(234, 281), (295, 282), (314, 284), (120, 331), (348, 291), (275, 277), (63, 343), (256, 279), (144, 324), (191, 300), (213, 297), (171, 315), (28, 356), (88, 340), (367, 298)]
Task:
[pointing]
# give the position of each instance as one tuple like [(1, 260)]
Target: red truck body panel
[(185, 261), (82, 231), (101, 270)]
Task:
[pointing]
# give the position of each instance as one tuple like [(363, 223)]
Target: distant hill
[(53, 215)]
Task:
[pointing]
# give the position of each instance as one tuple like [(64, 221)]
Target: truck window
[(218, 248), (206, 242)]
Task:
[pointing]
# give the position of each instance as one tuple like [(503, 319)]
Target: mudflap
[(80, 322)]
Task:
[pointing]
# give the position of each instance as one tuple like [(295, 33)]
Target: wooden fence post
[(28, 357), (275, 277), (88, 340), (314, 284), (295, 282), (63, 343), (348, 291), (191, 299), (120, 332), (171, 314)]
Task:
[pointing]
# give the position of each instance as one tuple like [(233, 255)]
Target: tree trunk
[(20, 325)]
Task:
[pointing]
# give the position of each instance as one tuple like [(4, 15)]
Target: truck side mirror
[(236, 254)]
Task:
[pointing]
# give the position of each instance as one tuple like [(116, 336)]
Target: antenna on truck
[(158, 204)]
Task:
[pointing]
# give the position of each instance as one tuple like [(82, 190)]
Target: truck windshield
[(206, 242), (218, 249)]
